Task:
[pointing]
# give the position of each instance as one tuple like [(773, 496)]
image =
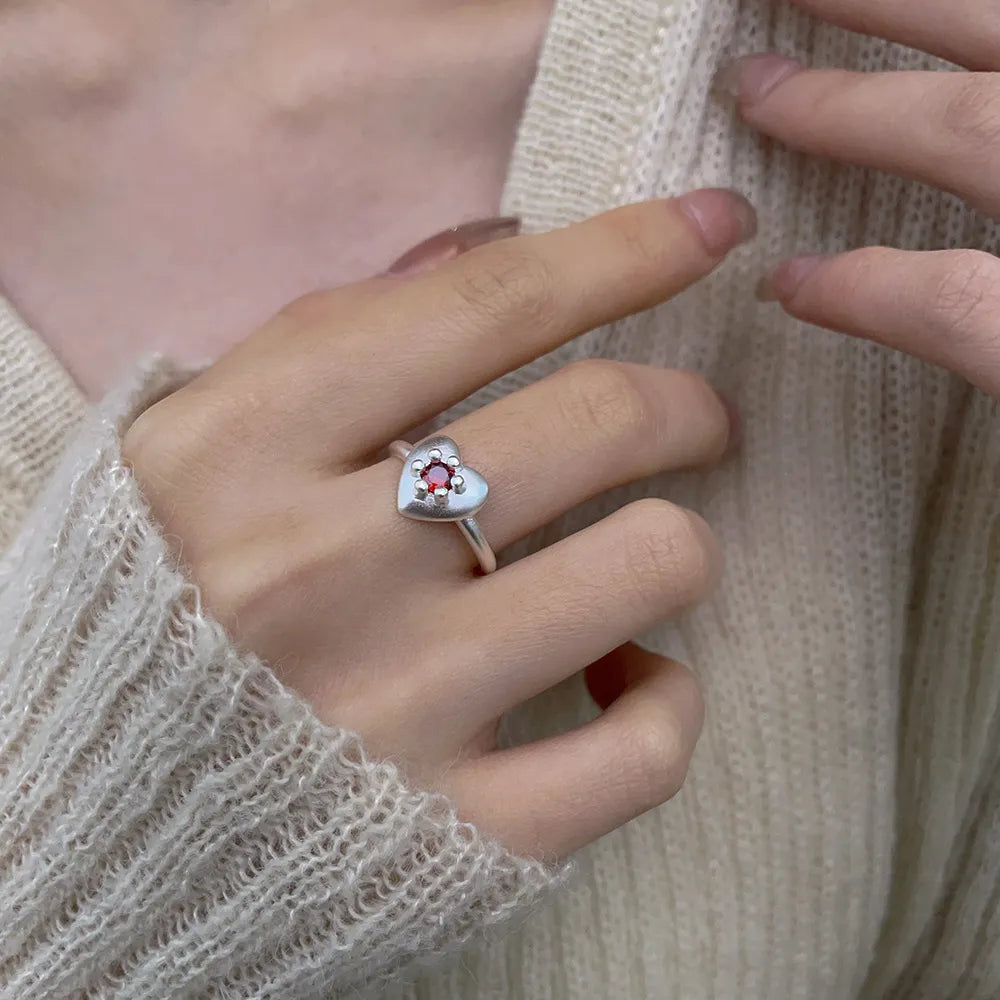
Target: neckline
[(579, 144)]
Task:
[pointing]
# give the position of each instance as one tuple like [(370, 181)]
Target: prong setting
[(435, 484)]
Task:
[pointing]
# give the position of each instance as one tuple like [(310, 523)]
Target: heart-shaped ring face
[(436, 486)]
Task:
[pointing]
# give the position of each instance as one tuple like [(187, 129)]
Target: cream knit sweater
[(839, 836), (174, 822)]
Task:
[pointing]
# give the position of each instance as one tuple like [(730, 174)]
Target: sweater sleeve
[(173, 821)]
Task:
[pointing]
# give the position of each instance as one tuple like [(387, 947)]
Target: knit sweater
[(839, 834), (186, 828), (173, 821)]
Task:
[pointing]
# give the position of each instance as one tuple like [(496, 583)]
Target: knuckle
[(966, 295), (972, 114), (178, 442), (139, 440), (671, 555), (157, 444), (509, 285), (657, 753), (603, 400)]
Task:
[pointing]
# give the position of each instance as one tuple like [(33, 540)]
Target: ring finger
[(590, 427), (938, 128)]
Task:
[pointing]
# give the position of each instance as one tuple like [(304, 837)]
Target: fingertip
[(722, 218), (749, 79), (782, 283)]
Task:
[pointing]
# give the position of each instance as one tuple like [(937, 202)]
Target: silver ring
[(436, 486)]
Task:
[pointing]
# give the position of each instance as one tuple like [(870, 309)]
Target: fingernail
[(451, 242), (724, 218), (752, 78), (784, 281), (735, 423)]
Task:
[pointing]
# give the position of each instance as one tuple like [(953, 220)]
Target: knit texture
[(839, 834), (39, 407), (173, 821)]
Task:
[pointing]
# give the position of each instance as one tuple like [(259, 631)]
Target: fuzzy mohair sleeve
[(173, 821)]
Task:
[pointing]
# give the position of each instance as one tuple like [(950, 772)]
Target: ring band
[(436, 486)]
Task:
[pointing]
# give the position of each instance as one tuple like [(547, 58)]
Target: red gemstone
[(436, 476)]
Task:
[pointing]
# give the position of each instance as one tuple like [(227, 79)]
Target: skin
[(938, 128), (246, 486), (175, 171), (263, 472)]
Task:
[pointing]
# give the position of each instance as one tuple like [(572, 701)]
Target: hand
[(941, 128), (174, 171), (264, 472)]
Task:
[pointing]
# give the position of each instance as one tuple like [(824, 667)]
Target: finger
[(578, 599), (451, 243), (551, 797), (367, 376), (967, 33), (591, 426), (588, 428), (939, 128), (608, 677), (941, 306)]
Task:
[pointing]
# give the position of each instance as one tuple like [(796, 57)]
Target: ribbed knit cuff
[(39, 408), (173, 821)]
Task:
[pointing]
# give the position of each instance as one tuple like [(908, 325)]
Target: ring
[(436, 486)]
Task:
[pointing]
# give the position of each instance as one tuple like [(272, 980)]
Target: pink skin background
[(175, 171)]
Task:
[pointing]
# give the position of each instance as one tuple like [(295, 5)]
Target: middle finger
[(938, 128)]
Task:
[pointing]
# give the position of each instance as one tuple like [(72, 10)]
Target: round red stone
[(436, 476)]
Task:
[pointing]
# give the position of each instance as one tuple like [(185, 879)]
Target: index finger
[(427, 343)]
